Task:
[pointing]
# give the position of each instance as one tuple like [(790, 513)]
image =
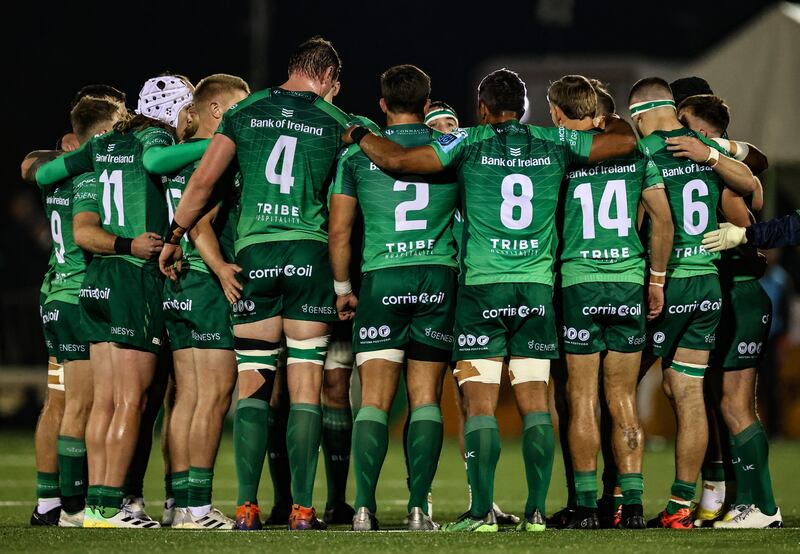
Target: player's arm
[(221, 150), (90, 235), (735, 174), (616, 140), (757, 201), (735, 209), (654, 200), (161, 160), (34, 160), (69, 165), (207, 244), (390, 156), (746, 153), (342, 217)]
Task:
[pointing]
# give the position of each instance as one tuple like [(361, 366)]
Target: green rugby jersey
[(599, 238), (224, 223), (408, 219), (286, 144), (67, 265), (694, 192), (129, 200), (510, 175)]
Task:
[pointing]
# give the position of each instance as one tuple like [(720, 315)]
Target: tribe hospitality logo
[(286, 112), (373, 333)]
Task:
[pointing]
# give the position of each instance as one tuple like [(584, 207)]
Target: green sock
[(425, 433), (47, 485), (278, 457), (249, 446), (370, 441), (303, 435), (538, 448), (743, 494), (685, 492), (753, 448), (71, 459), (482, 451), (200, 480), (632, 485), (337, 436), (93, 495), (110, 500), (586, 489), (180, 486), (713, 471), (168, 492)]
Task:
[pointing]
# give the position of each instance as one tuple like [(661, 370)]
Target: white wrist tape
[(342, 288), (657, 273), (713, 156), (742, 150)]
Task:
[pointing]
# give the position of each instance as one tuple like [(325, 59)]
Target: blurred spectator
[(780, 288)]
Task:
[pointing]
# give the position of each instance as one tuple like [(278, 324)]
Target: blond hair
[(575, 95)]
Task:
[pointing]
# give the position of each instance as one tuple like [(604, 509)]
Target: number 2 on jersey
[(420, 202), (112, 186), (613, 193), (286, 146)]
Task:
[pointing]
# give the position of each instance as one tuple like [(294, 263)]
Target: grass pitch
[(17, 497)]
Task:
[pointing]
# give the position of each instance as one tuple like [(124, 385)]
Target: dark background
[(50, 50)]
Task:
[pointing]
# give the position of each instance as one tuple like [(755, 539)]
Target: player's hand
[(655, 301), (170, 260), (726, 237), (69, 142), (346, 306), (599, 122), (231, 286), (688, 147), (147, 245), (346, 138)]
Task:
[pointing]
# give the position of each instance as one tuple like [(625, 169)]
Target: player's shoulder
[(651, 144), (350, 154), (365, 122), (461, 136), (253, 98), (341, 118)]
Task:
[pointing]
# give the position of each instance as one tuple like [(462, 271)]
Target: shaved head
[(648, 89)]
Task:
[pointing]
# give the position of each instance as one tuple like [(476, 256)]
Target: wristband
[(724, 143), (742, 150), (713, 157), (175, 233), (342, 288), (359, 133), (122, 245), (654, 284)]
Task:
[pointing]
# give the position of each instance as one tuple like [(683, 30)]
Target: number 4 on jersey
[(285, 146)]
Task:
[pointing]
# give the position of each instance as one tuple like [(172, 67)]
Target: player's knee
[(260, 356), (394, 355), (528, 370), (307, 351), (478, 371)]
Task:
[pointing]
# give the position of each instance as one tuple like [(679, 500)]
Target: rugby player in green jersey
[(286, 140), (121, 223), (509, 175), (602, 298), (197, 318), (741, 340), (407, 297), (697, 180), (70, 379)]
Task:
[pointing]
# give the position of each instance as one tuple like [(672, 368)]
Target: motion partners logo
[(749, 349), (469, 342), (571, 334), (373, 334), (243, 307)]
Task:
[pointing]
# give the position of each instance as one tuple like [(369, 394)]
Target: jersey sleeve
[(84, 194), (652, 175), (578, 144), (450, 148), (71, 164), (344, 182), (161, 160)]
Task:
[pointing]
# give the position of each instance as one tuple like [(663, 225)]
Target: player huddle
[(299, 240)]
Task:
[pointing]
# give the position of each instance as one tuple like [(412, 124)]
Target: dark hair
[(211, 86), (405, 89), (605, 102), (503, 91), (685, 87), (98, 91), (710, 108), (314, 57), (88, 113), (575, 95), (649, 86), (442, 105)]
